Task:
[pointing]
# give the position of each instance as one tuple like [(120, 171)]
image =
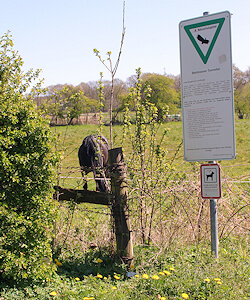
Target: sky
[(59, 36)]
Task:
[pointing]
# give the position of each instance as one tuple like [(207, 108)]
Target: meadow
[(176, 261)]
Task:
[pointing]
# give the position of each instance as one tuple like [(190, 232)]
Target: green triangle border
[(201, 24)]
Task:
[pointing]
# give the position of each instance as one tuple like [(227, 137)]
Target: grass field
[(71, 138), (177, 263)]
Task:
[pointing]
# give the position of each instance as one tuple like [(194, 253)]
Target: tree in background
[(242, 102), (27, 209), (67, 102), (163, 93), (241, 94), (76, 103)]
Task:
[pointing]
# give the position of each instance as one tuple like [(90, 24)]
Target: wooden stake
[(120, 208)]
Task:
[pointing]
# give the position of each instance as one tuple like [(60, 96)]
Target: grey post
[(214, 226), (213, 213)]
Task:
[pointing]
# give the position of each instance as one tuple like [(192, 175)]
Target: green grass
[(71, 138), (190, 270)]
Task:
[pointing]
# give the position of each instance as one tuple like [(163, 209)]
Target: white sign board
[(210, 181), (207, 88)]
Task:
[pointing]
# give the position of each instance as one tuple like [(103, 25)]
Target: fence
[(180, 215)]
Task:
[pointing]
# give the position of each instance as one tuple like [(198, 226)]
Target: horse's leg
[(97, 181), (85, 184), (100, 182)]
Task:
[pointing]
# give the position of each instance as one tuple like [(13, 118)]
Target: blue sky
[(59, 36)]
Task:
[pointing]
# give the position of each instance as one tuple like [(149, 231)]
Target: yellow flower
[(207, 280), (77, 279), (99, 276), (161, 273), (219, 282), (132, 267), (172, 269), (217, 279), (167, 272), (58, 263), (114, 288), (156, 277), (184, 296), (88, 298), (145, 276), (53, 293), (163, 298), (116, 277), (137, 276), (105, 278), (99, 260)]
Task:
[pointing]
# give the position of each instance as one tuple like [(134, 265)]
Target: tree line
[(68, 102)]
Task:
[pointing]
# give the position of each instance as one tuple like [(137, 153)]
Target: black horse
[(93, 157)]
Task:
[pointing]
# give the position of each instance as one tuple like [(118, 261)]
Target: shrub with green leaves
[(27, 209), (149, 167)]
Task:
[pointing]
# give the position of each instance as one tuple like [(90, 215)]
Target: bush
[(26, 172)]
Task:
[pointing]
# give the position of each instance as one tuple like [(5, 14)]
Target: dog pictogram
[(211, 175)]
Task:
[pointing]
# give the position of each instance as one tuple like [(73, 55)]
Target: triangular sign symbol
[(203, 45)]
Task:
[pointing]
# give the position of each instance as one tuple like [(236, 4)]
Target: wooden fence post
[(120, 210)]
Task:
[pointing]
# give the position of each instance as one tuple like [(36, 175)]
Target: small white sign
[(207, 88), (210, 181)]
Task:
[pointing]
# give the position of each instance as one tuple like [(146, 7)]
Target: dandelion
[(99, 276), (161, 273), (163, 298), (167, 272), (99, 260), (116, 277), (114, 288), (53, 293), (137, 276), (219, 282), (155, 277), (145, 276), (207, 280), (172, 269), (105, 278), (184, 296), (217, 279), (58, 263), (77, 279)]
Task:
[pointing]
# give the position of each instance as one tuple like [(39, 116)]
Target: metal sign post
[(214, 228), (211, 189), (207, 101)]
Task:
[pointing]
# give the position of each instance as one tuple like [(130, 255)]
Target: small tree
[(147, 160), (27, 210), (112, 70), (69, 103)]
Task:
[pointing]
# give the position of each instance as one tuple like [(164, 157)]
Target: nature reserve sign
[(207, 88)]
